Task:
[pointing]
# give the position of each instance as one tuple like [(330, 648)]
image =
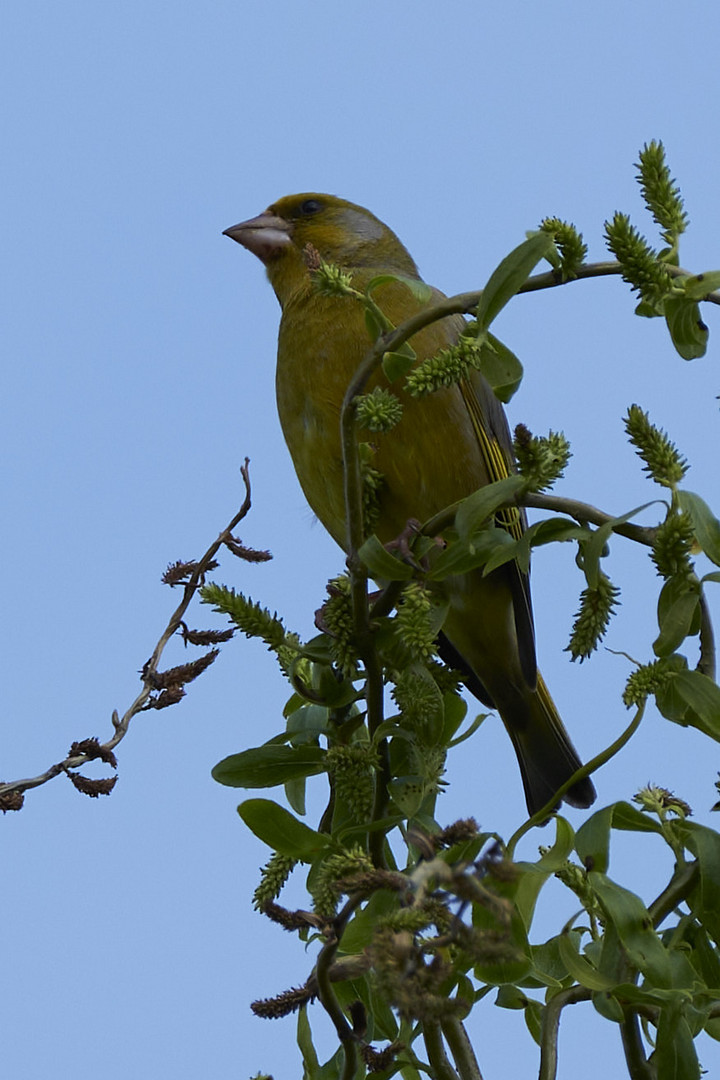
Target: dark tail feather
[(547, 757)]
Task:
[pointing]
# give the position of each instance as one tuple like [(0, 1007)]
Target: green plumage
[(445, 447)]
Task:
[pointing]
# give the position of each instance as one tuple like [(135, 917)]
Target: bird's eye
[(310, 206)]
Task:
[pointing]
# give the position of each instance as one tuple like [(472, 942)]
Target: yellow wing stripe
[(493, 457)]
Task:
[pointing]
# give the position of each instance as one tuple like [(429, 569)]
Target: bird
[(432, 458)]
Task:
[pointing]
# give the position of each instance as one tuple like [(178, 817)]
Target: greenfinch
[(445, 447)]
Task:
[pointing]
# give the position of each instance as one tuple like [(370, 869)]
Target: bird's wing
[(493, 434)]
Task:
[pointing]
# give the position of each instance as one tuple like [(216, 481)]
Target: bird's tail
[(546, 756)]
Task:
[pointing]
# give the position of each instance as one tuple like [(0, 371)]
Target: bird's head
[(284, 235)]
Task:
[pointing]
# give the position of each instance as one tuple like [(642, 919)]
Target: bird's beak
[(266, 235)]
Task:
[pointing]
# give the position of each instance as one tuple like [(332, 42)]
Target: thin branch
[(437, 1057), (466, 303), (542, 815), (461, 1048), (706, 662), (121, 724), (550, 1028), (682, 883), (326, 994), (637, 1063), (583, 512)]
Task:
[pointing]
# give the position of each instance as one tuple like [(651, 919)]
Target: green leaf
[(607, 1005), (360, 930), (698, 286), (469, 730), (269, 765), (484, 502), (511, 275), (532, 876), (501, 368), (703, 954), (592, 840), (533, 1019), (554, 529), (461, 556), (281, 831), (407, 792), (702, 695), (705, 524), (648, 310), (504, 552), (548, 968), (511, 968), (675, 1057), (318, 649), (374, 326), (306, 723), (381, 564), (688, 332), (311, 1064), (510, 997), (704, 843), (420, 289), (295, 794), (396, 364), (579, 967), (628, 818), (454, 712), (594, 549), (676, 620), (634, 928)]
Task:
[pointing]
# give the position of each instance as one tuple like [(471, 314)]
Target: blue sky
[(139, 371)]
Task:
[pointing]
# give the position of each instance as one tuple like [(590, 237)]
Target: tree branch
[(706, 662), (682, 883), (461, 1048), (437, 1057), (542, 815), (637, 1063), (583, 512), (550, 1028), (121, 724)]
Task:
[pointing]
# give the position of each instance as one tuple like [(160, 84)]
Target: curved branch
[(466, 303), (550, 1028), (542, 815), (437, 1057), (682, 883), (461, 1048), (121, 724), (706, 662), (637, 1062), (583, 512)]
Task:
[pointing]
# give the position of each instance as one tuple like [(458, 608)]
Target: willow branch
[(466, 303), (637, 1063), (326, 994), (121, 724), (583, 513), (461, 1048), (550, 1028), (677, 890), (432, 1037), (706, 662), (542, 815)]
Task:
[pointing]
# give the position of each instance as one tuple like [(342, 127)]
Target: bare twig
[(9, 792)]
